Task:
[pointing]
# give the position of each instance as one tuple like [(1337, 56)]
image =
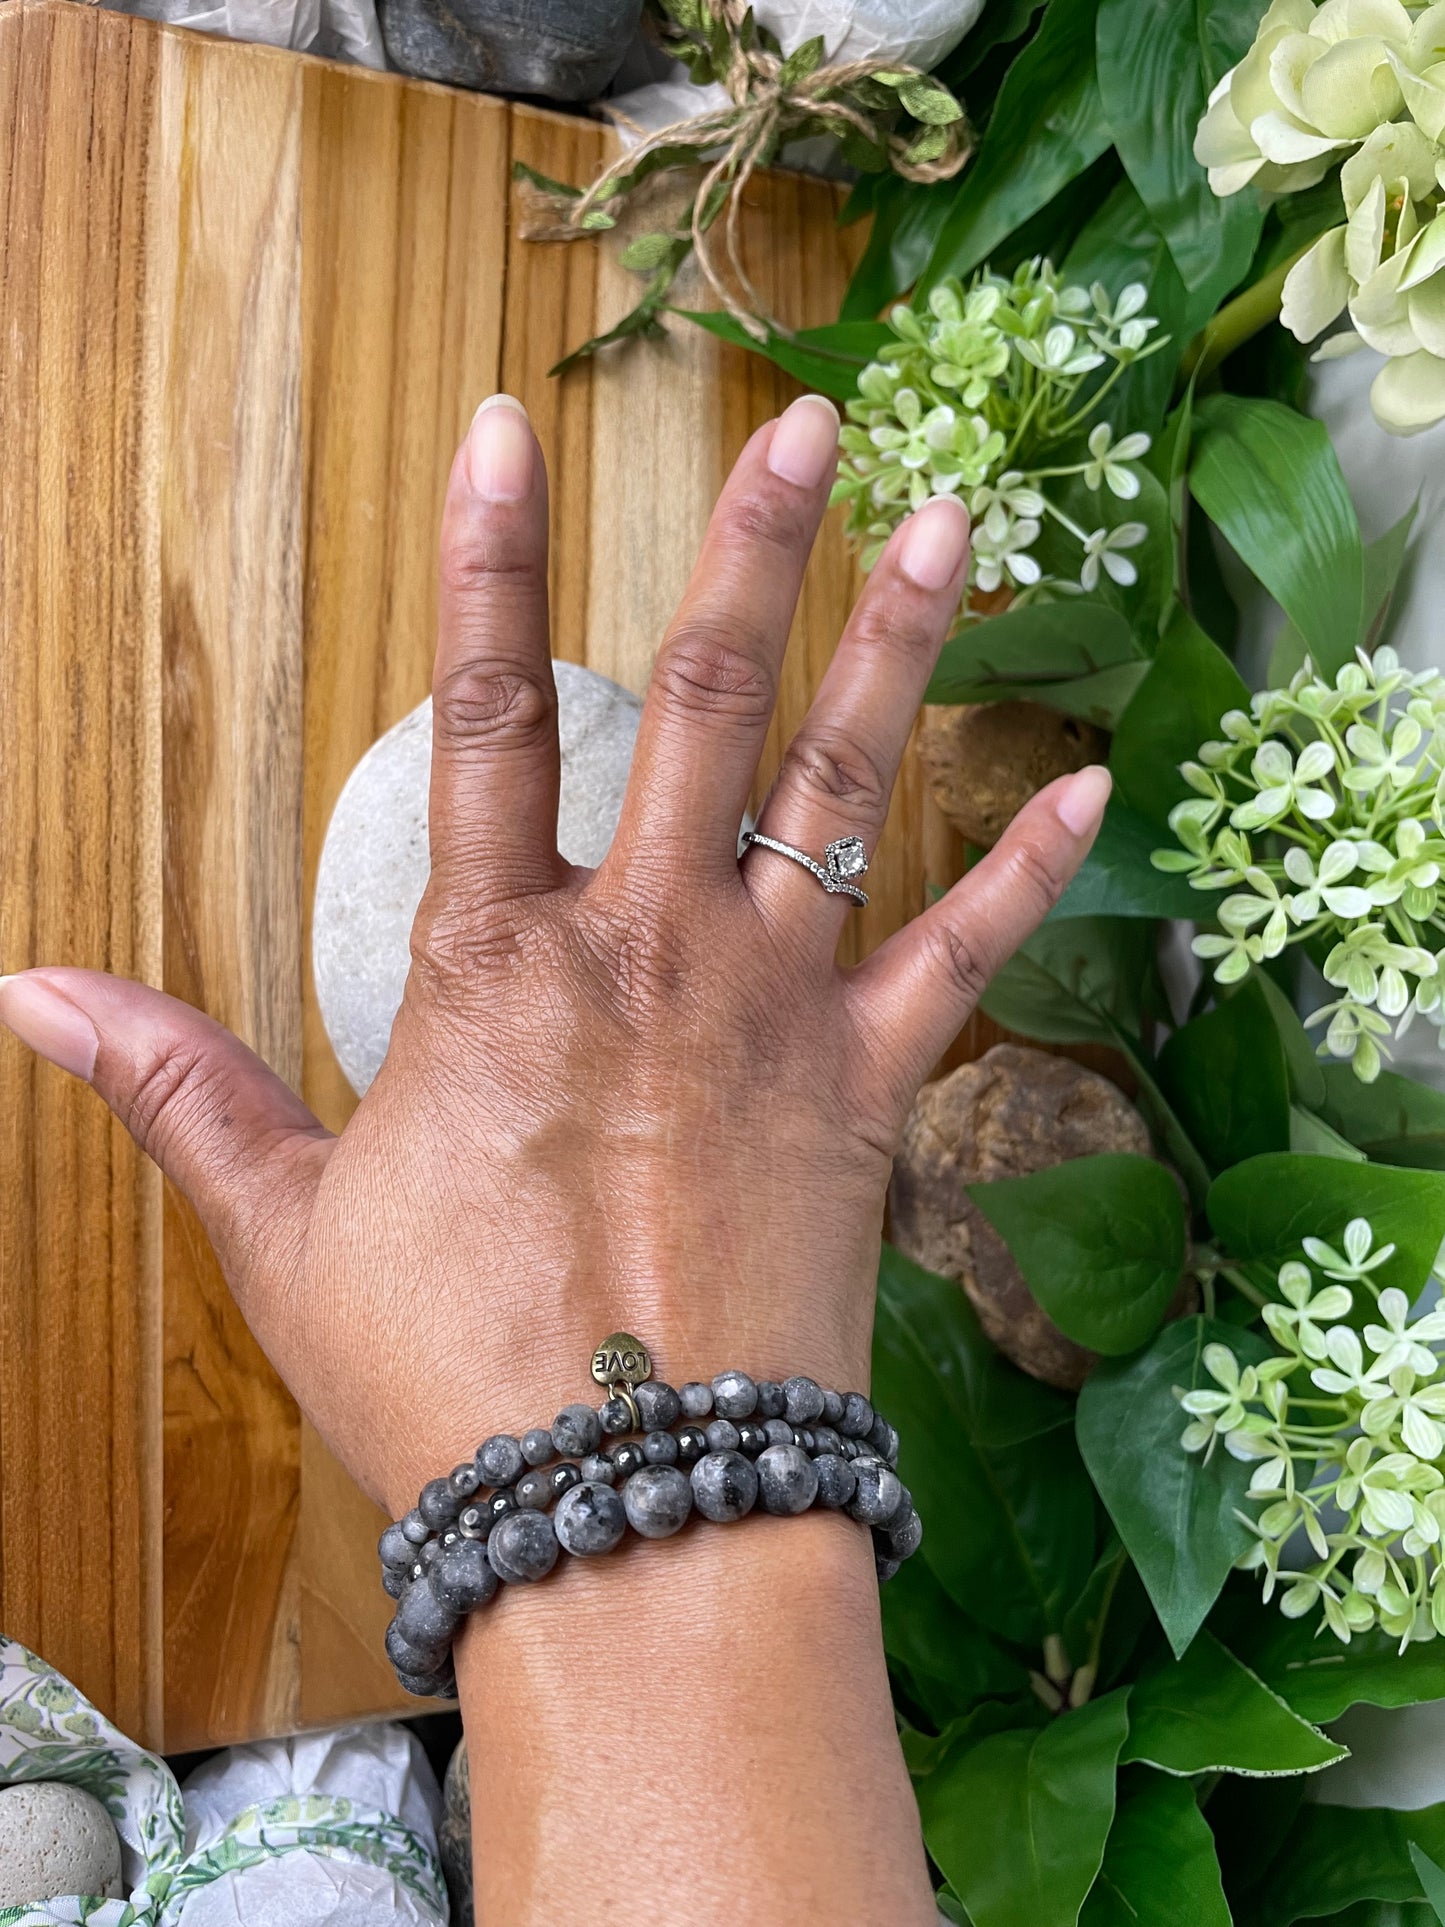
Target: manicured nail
[(1080, 807), (934, 543), (501, 450), (49, 1023), (805, 442)]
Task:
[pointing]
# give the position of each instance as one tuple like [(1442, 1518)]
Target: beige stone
[(55, 1840), (983, 761)]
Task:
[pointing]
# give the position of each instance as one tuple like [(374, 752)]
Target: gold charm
[(621, 1360)]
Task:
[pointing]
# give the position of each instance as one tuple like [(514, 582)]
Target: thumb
[(223, 1127)]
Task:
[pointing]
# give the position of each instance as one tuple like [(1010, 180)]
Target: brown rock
[(1012, 1112), (983, 761)]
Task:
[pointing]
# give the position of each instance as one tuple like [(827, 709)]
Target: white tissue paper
[(337, 29)]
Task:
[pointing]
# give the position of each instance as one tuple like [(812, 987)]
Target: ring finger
[(837, 774)]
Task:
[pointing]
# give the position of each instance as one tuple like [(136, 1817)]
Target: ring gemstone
[(846, 858)]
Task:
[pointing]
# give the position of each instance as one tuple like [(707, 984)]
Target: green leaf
[(828, 360), (1177, 1513), (1226, 1076), (1049, 109), (1116, 878), (649, 251), (1160, 1868), (1018, 1822), (1208, 1713), (1191, 685), (544, 182), (1263, 1208), (1432, 1878), (1104, 1624), (802, 61), (1100, 697), (1317, 1676), (1334, 1857), (1306, 1075), (1008, 1518), (1313, 1138), (906, 223), (1003, 20), (1075, 981), (1271, 482), (1099, 1241), (948, 1660), (928, 102), (1155, 78), (1043, 641), (1393, 1121)]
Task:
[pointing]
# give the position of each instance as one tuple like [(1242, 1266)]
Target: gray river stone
[(555, 49)]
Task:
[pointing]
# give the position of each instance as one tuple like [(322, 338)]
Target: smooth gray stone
[(598, 1469), (395, 1549), (724, 1486), (879, 1494), (576, 1431), (803, 1400), (658, 1500), (779, 1431), (837, 1481), (695, 1400), (499, 1459), (770, 1399), (522, 1547), (55, 1840), (462, 1577), (905, 1539), (723, 1436), (857, 1416), (658, 1406), (423, 1621), (534, 1490), (734, 1395), (555, 49), (538, 1447), (832, 1407), (660, 1448), (589, 1519), (787, 1479), (375, 862), (408, 1657)]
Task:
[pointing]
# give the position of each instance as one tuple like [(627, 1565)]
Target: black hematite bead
[(615, 1416), (803, 1438), (562, 1478), (691, 1444), (501, 1503), (475, 1521), (627, 1459), (752, 1438), (770, 1399)]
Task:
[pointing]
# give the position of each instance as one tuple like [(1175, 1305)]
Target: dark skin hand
[(643, 1097)]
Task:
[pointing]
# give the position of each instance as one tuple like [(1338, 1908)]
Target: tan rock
[(1011, 1112), (983, 761)]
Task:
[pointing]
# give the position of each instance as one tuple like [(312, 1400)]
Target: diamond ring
[(844, 859)]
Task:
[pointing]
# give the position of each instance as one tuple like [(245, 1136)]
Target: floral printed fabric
[(49, 1731)]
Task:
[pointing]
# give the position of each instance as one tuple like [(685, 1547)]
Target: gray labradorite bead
[(695, 1400), (522, 1547), (837, 1481), (537, 1446), (770, 1399), (393, 1581), (779, 1431), (591, 1518), (410, 1658), (464, 1480), (724, 1486), (614, 1416), (723, 1436), (598, 1469), (881, 1435), (500, 1460), (395, 1548), (906, 1537), (857, 1417), (832, 1407), (660, 1448), (658, 1406), (429, 1686), (802, 1400), (576, 1431), (658, 1500), (423, 1621), (734, 1395), (462, 1577), (885, 1567), (534, 1490), (825, 1439), (416, 1528), (879, 1494), (787, 1479)]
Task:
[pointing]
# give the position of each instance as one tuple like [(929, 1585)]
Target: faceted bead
[(626, 1459), (695, 1400), (499, 1460), (522, 1547), (691, 1444), (779, 1431), (905, 1539), (787, 1479), (880, 1491), (857, 1416), (837, 1481), (395, 1548), (660, 1448), (589, 1519), (598, 1469), (803, 1400), (734, 1395), (577, 1430), (658, 1500), (723, 1436), (615, 1416), (462, 1577), (770, 1399), (534, 1490), (752, 1437), (832, 1407), (416, 1528), (537, 1446), (724, 1486), (465, 1479), (803, 1439), (658, 1405)]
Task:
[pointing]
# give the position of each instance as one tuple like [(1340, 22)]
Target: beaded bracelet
[(717, 1450)]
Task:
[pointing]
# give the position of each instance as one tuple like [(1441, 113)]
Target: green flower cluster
[(1355, 1473), (1345, 784), (985, 394)]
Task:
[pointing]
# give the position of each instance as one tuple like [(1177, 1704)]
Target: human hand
[(643, 1097)]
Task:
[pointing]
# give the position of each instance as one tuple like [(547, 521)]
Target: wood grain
[(249, 302)]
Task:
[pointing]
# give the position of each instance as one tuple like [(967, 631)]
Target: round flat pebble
[(787, 1479), (770, 1399), (778, 1431), (802, 1400), (660, 1448), (695, 1400), (463, 1577), (598, 1469), (734, 1395), (837, 1481), (589, 1519), (499, 1460), (658, 1405), (905, 1539), (832, 1407), (879, 1494), (55, 1840), (537, 1446), (522, 1547), (464, 1480), (857, 1416), (658, 1500), (395, 1548), (691, 1443), (724, 1486), (723, 1436), (534, 1490), (615, 1417), (577, 1430)]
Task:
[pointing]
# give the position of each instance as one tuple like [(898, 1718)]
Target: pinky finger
[(914, 995)]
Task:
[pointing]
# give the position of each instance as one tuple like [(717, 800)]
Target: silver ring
[(843, 860)]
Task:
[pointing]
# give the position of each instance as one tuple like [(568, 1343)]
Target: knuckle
[(477, 557), (836, 769), (495, 705), (1035, 875), (769, 519), (957, 957), (169, 1098), (704, 670)]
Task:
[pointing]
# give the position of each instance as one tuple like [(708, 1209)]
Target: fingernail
[(49, 1023), (501, 450), (805, 441), (934, 543), (1080, 807)]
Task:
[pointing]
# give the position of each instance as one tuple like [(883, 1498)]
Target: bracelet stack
[(648, 1458)]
